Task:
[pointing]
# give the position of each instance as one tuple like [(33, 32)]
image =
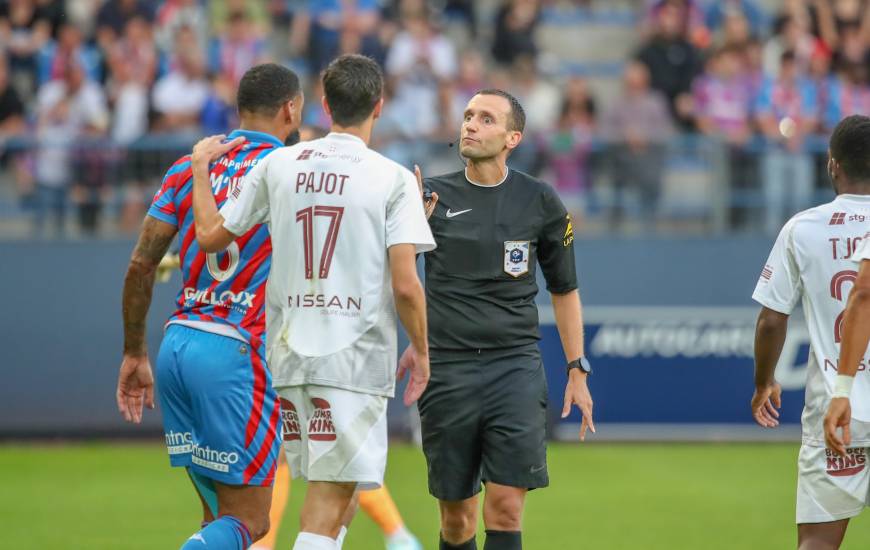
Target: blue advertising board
[(685, 371)]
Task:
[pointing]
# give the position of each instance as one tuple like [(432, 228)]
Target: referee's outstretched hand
[(418, 365), (577, 393), (135, 387), (428, 204)]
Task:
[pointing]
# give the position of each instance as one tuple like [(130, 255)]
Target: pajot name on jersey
[(516, 258)]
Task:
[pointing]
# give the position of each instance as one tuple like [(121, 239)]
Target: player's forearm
[(411, 307), (569, 320), (153, 243), (770, 332), (856, 331), (138, 286), (207, 221)]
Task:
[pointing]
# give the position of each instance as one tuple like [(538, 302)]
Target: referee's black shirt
[(480, 281)]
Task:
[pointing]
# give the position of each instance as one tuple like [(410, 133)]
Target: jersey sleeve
[(249, 204), (556, 246), (406, 221), (779, 287), (163, 206)]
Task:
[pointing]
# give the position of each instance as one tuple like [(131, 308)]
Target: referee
[(483, 414)]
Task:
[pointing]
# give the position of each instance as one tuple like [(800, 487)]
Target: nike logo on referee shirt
[(454, 214)]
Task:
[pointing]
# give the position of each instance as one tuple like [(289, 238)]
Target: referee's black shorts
[(484, 418)]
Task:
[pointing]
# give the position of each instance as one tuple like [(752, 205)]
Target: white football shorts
[(331, 434), (832, 487)]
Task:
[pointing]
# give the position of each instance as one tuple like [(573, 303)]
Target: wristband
[(843, 386)]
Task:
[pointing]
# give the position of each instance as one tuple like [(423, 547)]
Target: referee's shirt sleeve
[(251, 206), (406, 221), (556, 246)]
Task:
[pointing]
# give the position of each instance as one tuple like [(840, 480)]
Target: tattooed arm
[(135, 381)]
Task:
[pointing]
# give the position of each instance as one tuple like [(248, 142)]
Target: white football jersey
[(334, 208), (813, 262)]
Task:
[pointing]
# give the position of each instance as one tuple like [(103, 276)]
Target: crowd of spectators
[(100, 95)]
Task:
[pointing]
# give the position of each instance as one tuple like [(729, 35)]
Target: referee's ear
[(513, 139)]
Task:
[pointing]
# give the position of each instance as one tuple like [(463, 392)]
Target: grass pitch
[(608, 496)]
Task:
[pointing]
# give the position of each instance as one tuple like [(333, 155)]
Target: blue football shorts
[(220, 413)]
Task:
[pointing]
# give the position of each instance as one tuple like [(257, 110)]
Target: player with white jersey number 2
[(812, 262), (346, 225)]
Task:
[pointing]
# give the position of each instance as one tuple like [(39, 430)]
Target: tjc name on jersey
[(843, 249)]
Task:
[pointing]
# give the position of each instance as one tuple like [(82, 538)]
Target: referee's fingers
[(587, 416), (583, 426)]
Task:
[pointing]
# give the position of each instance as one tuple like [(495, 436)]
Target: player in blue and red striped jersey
[(220, 413)]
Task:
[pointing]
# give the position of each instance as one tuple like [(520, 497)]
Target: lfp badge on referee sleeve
[(516, 258)]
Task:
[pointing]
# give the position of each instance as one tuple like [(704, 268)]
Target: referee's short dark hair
[(517, 116), (265, 88), (353, 84), (850, 147)]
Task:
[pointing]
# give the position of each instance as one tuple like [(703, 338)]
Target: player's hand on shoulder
[(135, 387), (838, 416), (211, 148), (765, 402), (429, 199), (577, 393)]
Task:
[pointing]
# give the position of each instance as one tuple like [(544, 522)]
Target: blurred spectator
[(673, 63), (541, 101), (12, 124), (689, 20), (128, 97), (852, 47), (723, 105), (174, 15), (419, 59), (637, 128), (329, 28), (219, 111), (23, 32), (848, 94), (723, 99), (68, 110), (791, 33), (567, 146), (138, 49), (515, 27), (471, 78), (717, 14), (11, 107), (256, 13), (179, 96), (239, 49), (55, 54), (314, 114), (113, 17), (786, 113), (735, 30), (820, 75)]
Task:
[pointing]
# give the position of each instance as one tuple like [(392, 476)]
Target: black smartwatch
[(582, 364)]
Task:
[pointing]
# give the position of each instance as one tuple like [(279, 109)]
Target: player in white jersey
[(812, 263), (856, 335), (346, 224)]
